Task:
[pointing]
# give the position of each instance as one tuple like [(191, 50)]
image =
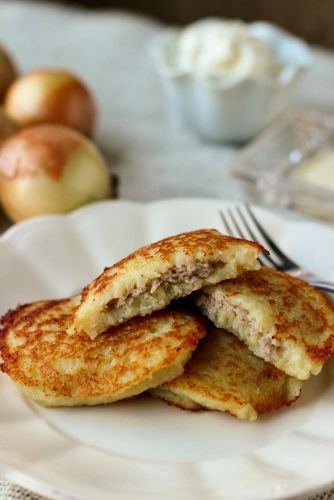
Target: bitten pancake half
[(57, 369), (224, 375), (153, 276), (281, 319)]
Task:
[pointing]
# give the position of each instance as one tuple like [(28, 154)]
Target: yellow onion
[(8, 72), (51, 96), (50, 169), (7, 126)]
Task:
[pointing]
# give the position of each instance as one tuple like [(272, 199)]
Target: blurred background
[(158, 138), (309, 19)]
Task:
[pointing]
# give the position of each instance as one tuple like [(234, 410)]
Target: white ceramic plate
[(142, 449)]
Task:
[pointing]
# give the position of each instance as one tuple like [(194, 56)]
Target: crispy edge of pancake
[(252, 386), (282, 319), (22, 336), (174, 399), (99, 309)]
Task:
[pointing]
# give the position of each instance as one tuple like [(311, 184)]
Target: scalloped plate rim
[(30, 480)]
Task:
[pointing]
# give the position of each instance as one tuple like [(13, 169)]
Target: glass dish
[(279, 163)]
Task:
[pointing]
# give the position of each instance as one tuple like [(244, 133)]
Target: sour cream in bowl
[(228, 79)]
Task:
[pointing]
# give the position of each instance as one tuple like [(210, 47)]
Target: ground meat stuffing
[(182, 274), (175, 275), (211, 304)]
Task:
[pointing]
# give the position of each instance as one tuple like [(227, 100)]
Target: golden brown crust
[(300, 312), (38, 353), (224, 375), (182, 407), (209, 240), (153, 276)]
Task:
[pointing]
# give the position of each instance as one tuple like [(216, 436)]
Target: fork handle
[(325, 286)]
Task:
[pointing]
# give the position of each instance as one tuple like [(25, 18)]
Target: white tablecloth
[(146, 145)]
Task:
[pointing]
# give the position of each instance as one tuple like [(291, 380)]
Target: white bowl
[(223, 111)]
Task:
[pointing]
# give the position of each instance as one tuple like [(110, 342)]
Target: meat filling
[(237, 320), (176, 275)]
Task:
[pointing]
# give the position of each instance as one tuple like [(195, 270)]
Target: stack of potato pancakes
[(242, 342)]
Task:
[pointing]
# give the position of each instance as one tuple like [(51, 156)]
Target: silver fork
[(242, 223)]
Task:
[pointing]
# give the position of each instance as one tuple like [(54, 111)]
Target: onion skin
[(8, 72), (50, 169), (7, 126), (51, 96)]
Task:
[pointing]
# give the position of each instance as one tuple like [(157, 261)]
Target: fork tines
[(241, 222)]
